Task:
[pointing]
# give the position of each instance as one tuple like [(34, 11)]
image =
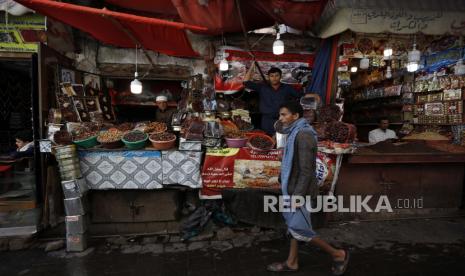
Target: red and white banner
[(292, 65), (229, 168)]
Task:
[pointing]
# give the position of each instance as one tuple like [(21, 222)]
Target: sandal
[(339, 267), (280, 267)]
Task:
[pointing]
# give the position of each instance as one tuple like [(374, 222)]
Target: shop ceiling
[(162, 25)]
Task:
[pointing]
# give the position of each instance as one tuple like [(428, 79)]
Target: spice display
[(111, 135), (329, 113), (164, 136), (84, 135), (261, 142), (155, 127), (427, 135), (405, 147), (125, 127), (134, 136), (235, 134)]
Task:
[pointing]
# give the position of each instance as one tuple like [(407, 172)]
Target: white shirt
[(379, 135)]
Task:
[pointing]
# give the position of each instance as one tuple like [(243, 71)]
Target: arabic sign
[(21, 33), (399, 21)]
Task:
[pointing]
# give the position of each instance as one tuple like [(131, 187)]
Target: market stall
[(413, 83)]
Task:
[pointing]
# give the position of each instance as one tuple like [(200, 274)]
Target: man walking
[(298, 179)]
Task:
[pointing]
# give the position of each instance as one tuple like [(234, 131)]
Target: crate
[(434, 109)]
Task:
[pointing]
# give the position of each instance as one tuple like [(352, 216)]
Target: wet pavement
[(409, 247)]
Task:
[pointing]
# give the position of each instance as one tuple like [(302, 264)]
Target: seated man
[(24, 144), (163, 114), (382, 133)]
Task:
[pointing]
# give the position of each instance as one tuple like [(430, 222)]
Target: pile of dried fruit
[(109, 136), (261, 142), (241, 124), (235, 134), (329, 113), (165, 136), (62, 137), (125, 127), (83, 135), (340, 132), (134, 136), (155, 127)]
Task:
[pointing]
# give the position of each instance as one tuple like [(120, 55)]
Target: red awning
[(121, 29), (222, 16)]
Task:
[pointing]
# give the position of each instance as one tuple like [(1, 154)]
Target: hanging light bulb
[(364, 63), (388, 72), (387, 51), (224, 65), (353, 69), (278, 45), (136, 85), (412, 66), (414, 57)]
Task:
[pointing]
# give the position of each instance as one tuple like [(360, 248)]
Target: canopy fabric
[(121, 29), (222, 16)]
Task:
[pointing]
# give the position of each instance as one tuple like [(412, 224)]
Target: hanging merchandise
[(364, 63)]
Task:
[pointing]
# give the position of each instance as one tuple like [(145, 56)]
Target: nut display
[(261, 142), (125, 127), (165, 136), (111, 135), (235, 134), (155, 127), (84, 135), (134, 136)]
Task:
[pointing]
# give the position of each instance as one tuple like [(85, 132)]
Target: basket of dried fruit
[(162, 141), (111, 138), (261, 142), (236, 139), (86, 139), (135, 139), (155, 127)]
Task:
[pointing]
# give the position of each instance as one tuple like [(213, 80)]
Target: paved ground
[(408, 247)]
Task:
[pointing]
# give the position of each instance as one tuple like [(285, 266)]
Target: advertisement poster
[(231, 168), (239, 168), (294, 67)]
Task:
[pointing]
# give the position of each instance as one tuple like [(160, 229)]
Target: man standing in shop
[(382, 133), (272, 95), (163, 114)]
